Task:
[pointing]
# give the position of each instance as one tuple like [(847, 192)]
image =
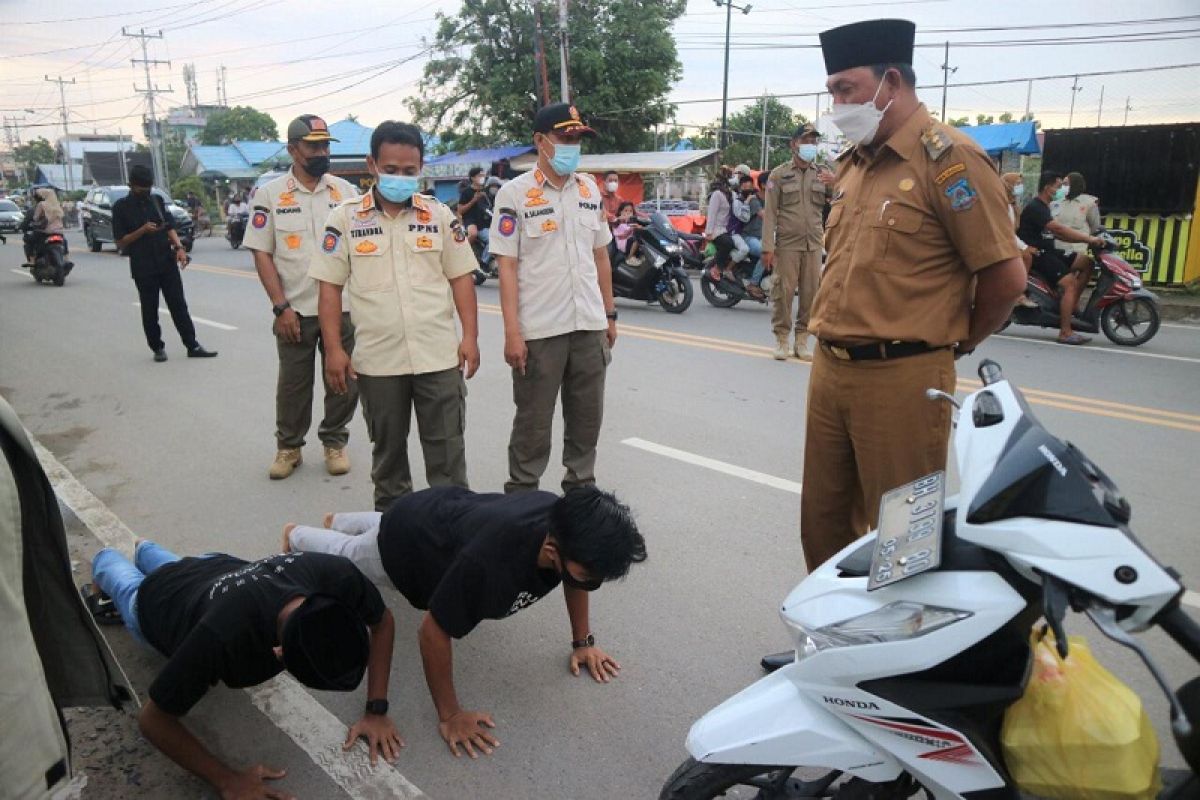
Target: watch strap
[(587, 641), (279, 309), (379, 707)]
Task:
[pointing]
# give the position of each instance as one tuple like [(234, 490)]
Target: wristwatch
[(587, 641), (282, 307), (377, 707), (611, 315)]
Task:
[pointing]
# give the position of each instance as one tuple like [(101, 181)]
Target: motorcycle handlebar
[(990, 372), (1179, 625)]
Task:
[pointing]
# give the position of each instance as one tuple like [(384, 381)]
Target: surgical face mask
[(807, 152), (316, 165), (611, 186), (566, 158), (1018, 190), (734, 181), (1061, 192), (398, 188), (859, 122)]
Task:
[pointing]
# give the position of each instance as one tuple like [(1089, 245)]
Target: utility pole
[(1128, 108), (1100, 108), (62, 96), (121, 156), (157, 155), (1028, 100), (722, 138), (1075, 89), (224, 86), (563, 79), (947, 70), (765, 147), (817, 108), (542, 78)]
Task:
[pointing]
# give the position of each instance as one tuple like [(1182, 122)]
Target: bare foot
[(329, 520), (287, 531)]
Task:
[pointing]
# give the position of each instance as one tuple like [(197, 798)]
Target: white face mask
[(611, 186), (859, 122), (1019, 190)]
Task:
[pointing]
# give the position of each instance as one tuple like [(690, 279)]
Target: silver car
[(11, 216)]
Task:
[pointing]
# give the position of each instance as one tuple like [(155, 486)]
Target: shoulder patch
[(937, 142), (259, 220), (331, 240), (949, 172), (962, 195)]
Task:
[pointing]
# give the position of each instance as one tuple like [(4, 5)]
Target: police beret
[(864, 44)]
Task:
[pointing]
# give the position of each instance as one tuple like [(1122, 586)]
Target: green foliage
[(984, 119), (1007, 117), (960, 122), (38, 151), (744, 134), (482, 85), (240, 123), (191, 183)]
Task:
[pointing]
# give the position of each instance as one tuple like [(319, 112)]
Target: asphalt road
[(179, 452)]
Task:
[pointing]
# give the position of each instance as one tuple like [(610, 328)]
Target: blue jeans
[(755, 245), (120, 579)]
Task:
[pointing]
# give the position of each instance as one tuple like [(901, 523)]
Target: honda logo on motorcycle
[(841, 701)]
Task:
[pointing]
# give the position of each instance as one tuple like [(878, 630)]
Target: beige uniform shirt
[(553, 235), (792, 211), (287, 220), (910, 225), (397, 271)]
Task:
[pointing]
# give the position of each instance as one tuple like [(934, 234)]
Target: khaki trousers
[(870, 429), (294, 389), (439, 399), (794, 269), (573, 365)]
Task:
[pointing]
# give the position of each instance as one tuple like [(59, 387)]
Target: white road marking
[(21, 272), (1181, 326), (1192, 599), (715, 465), (199, 320), (1086, 349), (282, 700)]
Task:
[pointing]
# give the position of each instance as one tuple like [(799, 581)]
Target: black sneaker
[(200, 352), (160, 355)]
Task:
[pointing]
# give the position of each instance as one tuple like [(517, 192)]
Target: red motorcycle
[(1127, 313), (50, 264)]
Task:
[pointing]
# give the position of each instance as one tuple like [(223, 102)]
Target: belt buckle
[(840, 353)]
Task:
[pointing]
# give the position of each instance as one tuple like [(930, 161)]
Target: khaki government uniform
[(286, 222), (553, 235), (910, 225), (397, 273), (792, 230)]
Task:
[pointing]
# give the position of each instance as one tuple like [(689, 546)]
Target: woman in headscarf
[(46, 218)]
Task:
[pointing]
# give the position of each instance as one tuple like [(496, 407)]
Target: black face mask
[(570, 580), (140, 192), (317, 165)]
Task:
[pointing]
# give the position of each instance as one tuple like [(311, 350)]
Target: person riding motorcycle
[(45, 218)]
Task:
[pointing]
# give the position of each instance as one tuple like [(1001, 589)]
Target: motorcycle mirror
[(938, 394)]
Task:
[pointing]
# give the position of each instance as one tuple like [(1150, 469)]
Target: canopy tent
[(457, 165), (649, 163), (1014, 137)]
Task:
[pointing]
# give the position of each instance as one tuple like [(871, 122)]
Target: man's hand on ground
[(381, 735), (600, 664), (466, 730), (249, 785)]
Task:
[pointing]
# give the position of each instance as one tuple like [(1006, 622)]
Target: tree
[(744, 133), (960, 122), (482, 82), (240, 123), (28, 156), (984, 119), (1007, 117)]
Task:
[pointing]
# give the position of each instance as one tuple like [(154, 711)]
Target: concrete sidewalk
[(1179, 305)]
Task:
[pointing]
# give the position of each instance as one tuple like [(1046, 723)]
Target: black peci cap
[(863, 44), (140, 175), (807, 129), (325, 644), (560, 118)]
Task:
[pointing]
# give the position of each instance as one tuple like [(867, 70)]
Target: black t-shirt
[(151, 253), (477, 214), (465, 556), (216, 617), (1034, 219)]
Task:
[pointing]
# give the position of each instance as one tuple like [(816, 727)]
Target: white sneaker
[(801, 349), (781, 349)]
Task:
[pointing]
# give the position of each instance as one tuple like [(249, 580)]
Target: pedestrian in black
[(146, 233)]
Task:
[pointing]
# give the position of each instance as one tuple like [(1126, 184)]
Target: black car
[(96, 213), (11, 216)]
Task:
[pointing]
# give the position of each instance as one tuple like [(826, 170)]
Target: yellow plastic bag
[(1079, 733)]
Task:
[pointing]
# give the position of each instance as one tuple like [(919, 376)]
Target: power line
[(154, 132), (97, 16), (62, 93)]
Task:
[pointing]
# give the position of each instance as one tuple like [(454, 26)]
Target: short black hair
[(745, 178), (1048, 177), (593, 529), (392, 132), (612, 172), (140, 175), (473, 171), (1078, 185), (907, 74)]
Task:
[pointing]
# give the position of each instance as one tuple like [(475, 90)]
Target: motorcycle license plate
[(910, 531)]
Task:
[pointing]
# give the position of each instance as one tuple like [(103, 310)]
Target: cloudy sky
[(288, 57)]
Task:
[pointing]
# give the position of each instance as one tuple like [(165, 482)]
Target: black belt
[(877, 351)]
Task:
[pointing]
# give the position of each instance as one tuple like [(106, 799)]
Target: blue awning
[(456, 165), (1015, 137)]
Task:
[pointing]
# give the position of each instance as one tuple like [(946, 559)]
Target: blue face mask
[(1061, 193), (807, 152), (566, 158), (398, 188)]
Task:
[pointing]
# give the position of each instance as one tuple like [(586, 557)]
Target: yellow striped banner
[(1167, 238)]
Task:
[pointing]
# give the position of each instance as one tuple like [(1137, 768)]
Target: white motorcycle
[(913, 641)]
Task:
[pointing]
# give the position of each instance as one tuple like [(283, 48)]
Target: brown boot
[(286, 461), (801, 348), (336, 461)]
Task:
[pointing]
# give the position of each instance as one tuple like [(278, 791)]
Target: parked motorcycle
[(660, 276), (913, 641), (50, 264), (1119, 305), (235, 229)]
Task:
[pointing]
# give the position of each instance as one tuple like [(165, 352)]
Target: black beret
[(325, 644), (864, 44)]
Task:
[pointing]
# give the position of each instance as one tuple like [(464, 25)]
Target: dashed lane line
[(198, 320)]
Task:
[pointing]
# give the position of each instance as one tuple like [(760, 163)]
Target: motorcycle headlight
[(892, 623)]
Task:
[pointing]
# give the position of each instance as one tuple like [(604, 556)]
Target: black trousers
[(169, 283)]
